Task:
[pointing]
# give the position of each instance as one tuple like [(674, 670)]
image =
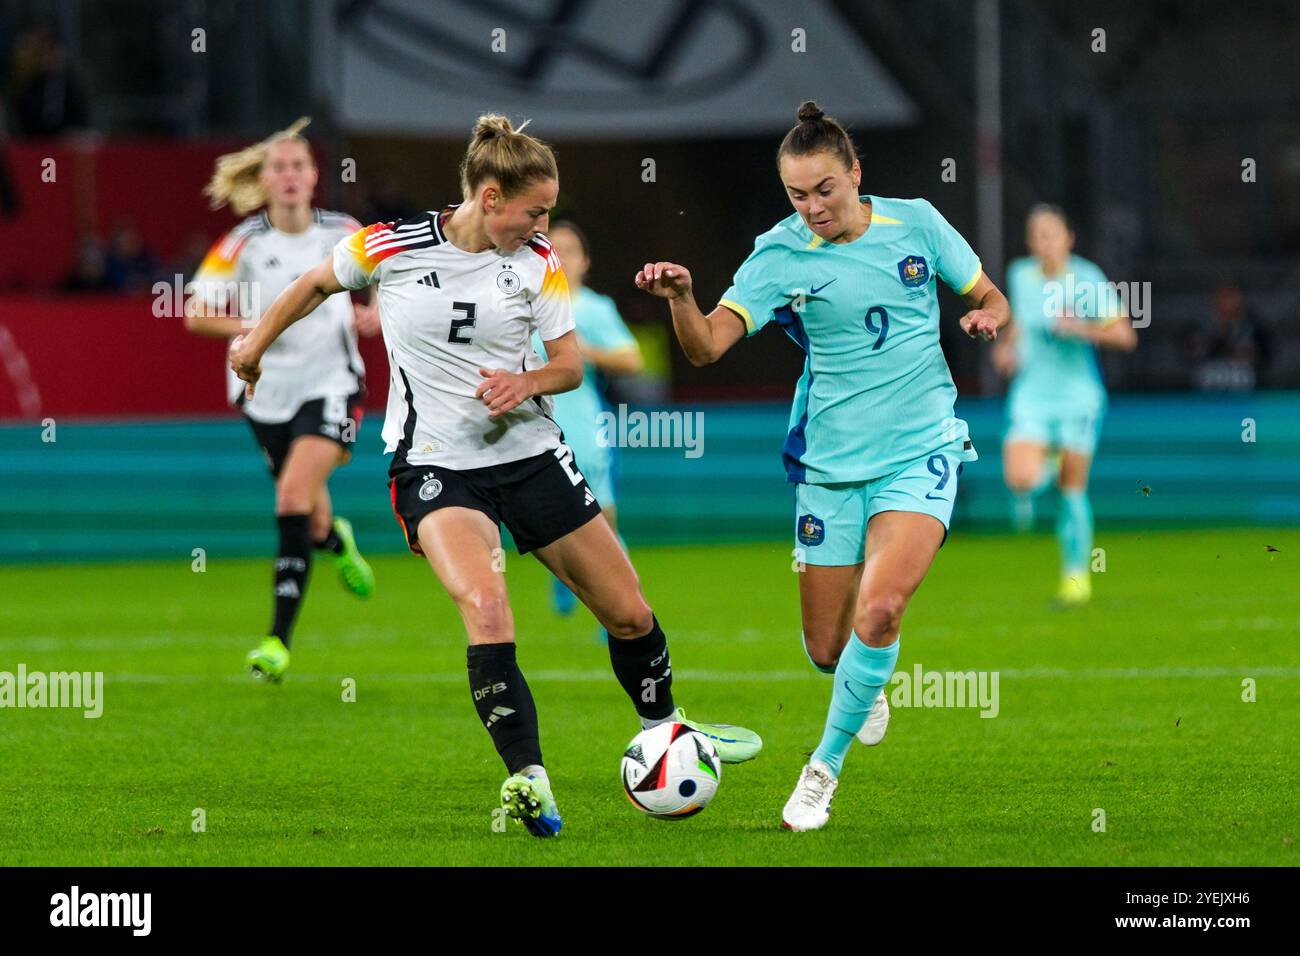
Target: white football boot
[(873, 731), (809, 807)]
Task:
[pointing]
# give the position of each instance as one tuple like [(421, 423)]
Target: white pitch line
[(720, 676)]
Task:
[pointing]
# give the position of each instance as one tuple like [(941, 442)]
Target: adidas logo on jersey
[(271, 263), (431, 280)]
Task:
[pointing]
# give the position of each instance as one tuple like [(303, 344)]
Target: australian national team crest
[(914, 272), (507, 281), (812, 531)]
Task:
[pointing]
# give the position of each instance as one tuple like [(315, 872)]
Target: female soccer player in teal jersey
[(874, 450), (1064, 309), (607, 346)]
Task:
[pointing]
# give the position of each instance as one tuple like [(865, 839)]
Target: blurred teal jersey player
[(1063, 309), (608, 347), (873, 447)]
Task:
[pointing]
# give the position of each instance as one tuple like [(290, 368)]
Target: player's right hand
[(667, 280), (245, 364)]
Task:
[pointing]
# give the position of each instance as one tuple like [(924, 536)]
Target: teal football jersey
[(875, 393), (1054, 373), (598, 324)]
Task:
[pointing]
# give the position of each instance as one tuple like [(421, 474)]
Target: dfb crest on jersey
[(431, 488), (913, 271), (812, 531), (507, 281)]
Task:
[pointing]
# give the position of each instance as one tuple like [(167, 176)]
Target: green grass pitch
[(1133, 706)]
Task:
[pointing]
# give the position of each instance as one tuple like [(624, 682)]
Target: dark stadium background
[(1144, 144)]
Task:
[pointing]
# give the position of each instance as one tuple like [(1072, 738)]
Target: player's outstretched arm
[(1115, 333), (302, 296), (989, 310), (704, 338), (204, 319)]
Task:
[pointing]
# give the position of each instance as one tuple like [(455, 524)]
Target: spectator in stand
[(47, 97), (1232, 350), (129, 266), (88, 273)]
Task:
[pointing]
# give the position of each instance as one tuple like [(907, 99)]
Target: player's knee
[(1021, 480), (880, 616), (629, 618), (486, 608), (822, 650), (293, 498)]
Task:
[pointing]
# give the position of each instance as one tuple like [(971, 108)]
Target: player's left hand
[(365, 319), (502, 391), (980, 323)]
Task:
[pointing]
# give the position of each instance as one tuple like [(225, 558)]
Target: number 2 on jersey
[(565, 454), (459, 326)]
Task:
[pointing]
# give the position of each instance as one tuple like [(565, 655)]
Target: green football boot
[(269, 660), (1075, 591), (528, 799), (734, 744), (354, 572)]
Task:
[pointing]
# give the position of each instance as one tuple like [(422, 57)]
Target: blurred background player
[(874, 450), (474, 445), (305, 414), (1063, 310), (608, 348)]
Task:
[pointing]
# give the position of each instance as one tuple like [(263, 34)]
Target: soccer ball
[(670, 771)]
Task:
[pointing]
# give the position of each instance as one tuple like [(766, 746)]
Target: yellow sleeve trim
[(979, 271), (741, 311)]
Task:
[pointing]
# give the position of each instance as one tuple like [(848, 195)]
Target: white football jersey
[(317, 356), (446, 313)]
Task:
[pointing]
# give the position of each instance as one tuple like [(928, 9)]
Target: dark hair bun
[(810, 112)]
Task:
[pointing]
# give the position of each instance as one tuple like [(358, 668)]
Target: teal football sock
[(1022, 510), (1074, 532), (859, 676)]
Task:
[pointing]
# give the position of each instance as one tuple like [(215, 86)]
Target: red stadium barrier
[(108, 356)]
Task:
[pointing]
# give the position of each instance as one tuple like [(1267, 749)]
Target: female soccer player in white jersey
[(607, 346), (469, 422), (1064, 309), (306, 413), (873, 449)]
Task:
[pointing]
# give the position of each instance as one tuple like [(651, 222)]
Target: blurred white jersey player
[(306, 414)]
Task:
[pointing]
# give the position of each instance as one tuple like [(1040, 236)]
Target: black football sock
[(644, 669), (504, 704), (331, 542), (291, 567)]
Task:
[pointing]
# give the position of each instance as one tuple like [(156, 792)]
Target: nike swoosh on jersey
[(817, 288)]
